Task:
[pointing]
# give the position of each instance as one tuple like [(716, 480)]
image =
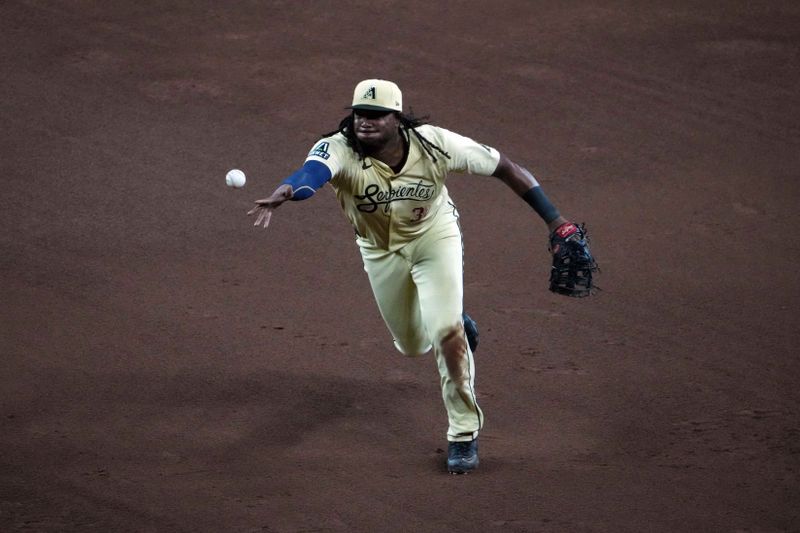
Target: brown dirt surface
[(168, 367)]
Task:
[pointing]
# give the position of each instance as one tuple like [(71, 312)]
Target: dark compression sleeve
[(306, 181), (539, 202)]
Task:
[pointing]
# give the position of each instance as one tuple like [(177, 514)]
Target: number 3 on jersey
[(419, 212)]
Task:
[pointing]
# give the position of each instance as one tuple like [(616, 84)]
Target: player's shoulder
[(337, 139), (446, 138), (432, 132), (325, 146)]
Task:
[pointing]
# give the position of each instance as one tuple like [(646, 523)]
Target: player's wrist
[(536, 198), (564, 229)]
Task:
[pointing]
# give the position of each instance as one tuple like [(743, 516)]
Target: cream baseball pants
[(419, 291)]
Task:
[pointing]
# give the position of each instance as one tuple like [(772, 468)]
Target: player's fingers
[(267, 216), (259, 218), (254, 210)]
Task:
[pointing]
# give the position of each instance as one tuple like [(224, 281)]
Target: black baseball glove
[(573, 264)]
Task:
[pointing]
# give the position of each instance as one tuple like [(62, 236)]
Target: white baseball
[(235, 178)]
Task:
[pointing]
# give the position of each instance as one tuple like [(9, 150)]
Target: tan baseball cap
[(377, 95)]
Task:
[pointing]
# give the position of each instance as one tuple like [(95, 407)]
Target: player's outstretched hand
[(266, 206)]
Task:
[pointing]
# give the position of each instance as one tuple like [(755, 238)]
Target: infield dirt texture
[(168, 367)]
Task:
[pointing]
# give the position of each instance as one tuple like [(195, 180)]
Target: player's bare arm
[(522, 182)]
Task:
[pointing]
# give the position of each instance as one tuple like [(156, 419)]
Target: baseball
[(235, 178)]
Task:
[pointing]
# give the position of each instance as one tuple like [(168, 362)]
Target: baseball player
[(388, 171)]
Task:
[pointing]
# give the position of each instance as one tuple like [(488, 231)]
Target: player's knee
[(413, 349)]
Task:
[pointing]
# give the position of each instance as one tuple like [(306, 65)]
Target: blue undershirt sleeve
[(308, 179)]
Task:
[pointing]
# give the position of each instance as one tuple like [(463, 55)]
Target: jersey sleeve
[(330, 152), (466, 155)]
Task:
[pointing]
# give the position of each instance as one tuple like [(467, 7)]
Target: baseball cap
[(377, 95)]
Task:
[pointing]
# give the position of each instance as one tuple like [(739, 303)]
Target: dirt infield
[(168, 367)]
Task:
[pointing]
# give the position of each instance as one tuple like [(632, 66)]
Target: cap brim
[(367, 107)]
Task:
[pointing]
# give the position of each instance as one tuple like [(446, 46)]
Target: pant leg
[(437, 272), (396, 295)]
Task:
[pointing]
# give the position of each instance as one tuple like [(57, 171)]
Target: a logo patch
[(370, 94), (565, 230), (321, 150)]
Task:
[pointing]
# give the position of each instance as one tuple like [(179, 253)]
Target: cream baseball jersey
[(390, 209)]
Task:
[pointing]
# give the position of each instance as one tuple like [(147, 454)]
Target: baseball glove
[(573, 264)]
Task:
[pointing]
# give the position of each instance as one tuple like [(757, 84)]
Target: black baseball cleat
[(462, 457), (471, 328)]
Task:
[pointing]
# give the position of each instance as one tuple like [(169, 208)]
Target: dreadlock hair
[(408, 123)]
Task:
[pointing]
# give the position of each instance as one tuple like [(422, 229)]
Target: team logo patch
[(369, 94), (321, 150)]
